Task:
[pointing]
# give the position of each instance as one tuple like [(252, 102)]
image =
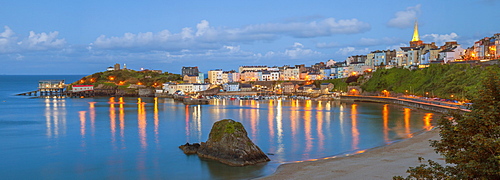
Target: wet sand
[(379, 163)]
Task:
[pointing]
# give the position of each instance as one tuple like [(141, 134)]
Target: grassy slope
[(123, 78), (460, 80)]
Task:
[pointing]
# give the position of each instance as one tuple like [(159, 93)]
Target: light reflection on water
[(138, 137)]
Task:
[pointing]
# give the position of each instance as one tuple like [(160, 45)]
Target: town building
[(81, 88), (251, 68), (232, 86), (215, 76), (289, 87), (193, 71), (190, 78), (326, 87)]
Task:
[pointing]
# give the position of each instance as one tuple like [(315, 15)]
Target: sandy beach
[(379, 163)]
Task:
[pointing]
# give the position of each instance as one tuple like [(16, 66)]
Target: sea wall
[(410, 102)]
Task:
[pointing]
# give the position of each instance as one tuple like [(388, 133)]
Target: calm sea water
[(138, 138)]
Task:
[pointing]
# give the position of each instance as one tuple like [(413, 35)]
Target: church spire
[(415, 32)]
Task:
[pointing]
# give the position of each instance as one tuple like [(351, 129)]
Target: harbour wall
[(415, 103)]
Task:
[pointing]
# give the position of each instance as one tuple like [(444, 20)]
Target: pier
[(57, 88)]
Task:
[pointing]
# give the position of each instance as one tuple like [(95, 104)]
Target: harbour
[(137, 137)]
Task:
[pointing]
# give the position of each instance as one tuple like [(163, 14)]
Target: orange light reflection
[(82, 122), (354, 128), (407, 114), (307, 128), (319, 128), (427, 121), (385, 117), (156, 119), (122, 118), (112, 118), (270, 121), (92, 117), (141, 117)]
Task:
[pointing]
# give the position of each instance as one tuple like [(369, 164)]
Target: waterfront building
[(289, 87), (310, 88), (232, 86), (197, 87), (245, 87), (215, 76), (250, 75), (230, 76), (251, 68), (185, 88), (269, 76), (190, 78), (190, 71), (291, 73), (169, 88), (81, 88), (326, 87)]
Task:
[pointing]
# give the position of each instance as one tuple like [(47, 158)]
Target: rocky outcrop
[(228, 143), (190, 148)]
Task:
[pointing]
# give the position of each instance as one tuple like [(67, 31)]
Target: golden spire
[(415, 32)]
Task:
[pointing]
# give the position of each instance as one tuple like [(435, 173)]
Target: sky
[(63, 37)]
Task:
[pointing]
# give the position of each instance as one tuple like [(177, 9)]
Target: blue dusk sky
[(84, 37)]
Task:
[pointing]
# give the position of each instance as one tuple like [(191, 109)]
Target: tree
[(470, 142)]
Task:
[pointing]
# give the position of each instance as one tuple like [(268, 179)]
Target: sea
[(138, 138)]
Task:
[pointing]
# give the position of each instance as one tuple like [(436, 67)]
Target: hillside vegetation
[(125, 77), (456, 81)]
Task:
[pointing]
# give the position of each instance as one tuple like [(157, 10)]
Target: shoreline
[(382, 162)]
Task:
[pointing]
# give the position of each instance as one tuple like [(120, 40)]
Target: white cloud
[(325, 27), (352, 51), (208, 37), (7, 40), (405, 19), (34, 42), (440, 38), (42, 41)]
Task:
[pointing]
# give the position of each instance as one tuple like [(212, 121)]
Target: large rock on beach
[(228, 143)]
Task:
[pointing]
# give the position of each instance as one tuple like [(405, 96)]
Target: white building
[(450, 55), (231, 86), (197, 87), (169, 88), (291, 73), (185, 87), (80, 88)]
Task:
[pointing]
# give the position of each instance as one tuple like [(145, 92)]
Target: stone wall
[(425, 105)]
